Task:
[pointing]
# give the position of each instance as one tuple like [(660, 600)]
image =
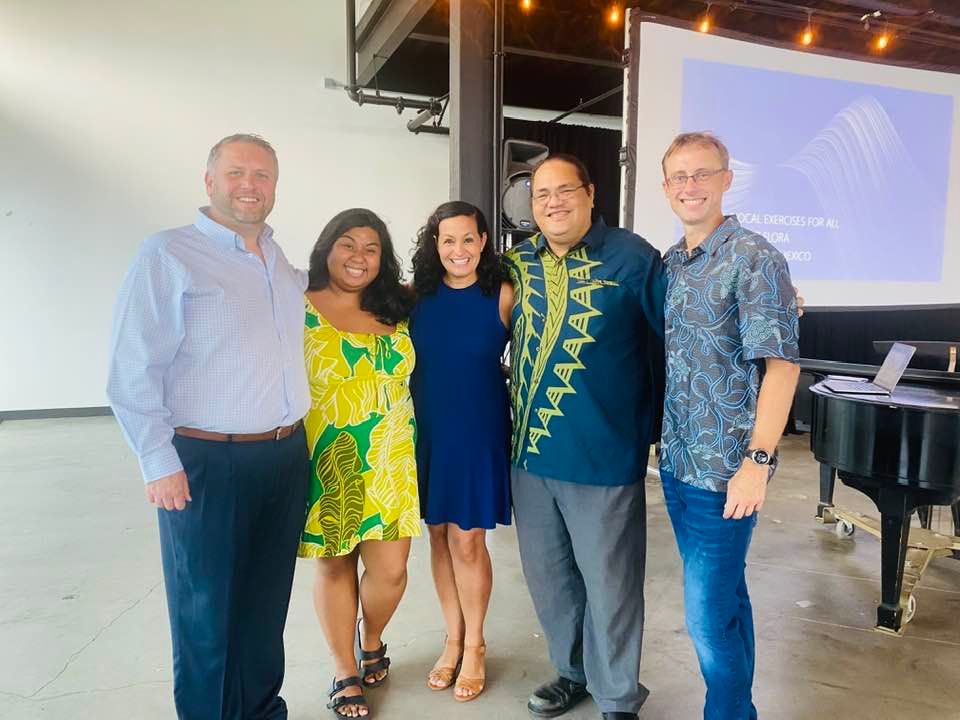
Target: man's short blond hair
[(250, 138), (703, 139)]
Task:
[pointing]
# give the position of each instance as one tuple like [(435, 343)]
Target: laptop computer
[(894, 364)]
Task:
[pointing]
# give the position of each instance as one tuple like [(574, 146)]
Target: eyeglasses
[(563, 193), (699, 177)]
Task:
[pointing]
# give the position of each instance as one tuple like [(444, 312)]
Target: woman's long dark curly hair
[(428, 271), (386, 297)]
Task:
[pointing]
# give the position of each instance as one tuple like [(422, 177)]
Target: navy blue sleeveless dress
[(461, 405)]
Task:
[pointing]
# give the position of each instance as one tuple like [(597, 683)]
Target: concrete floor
[(83, 627)]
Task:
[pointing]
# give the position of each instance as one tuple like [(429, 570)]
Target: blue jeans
[(717, 608)]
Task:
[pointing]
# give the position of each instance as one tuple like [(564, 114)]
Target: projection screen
[(851, 168)]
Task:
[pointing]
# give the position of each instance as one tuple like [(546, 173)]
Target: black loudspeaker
[(519, 159)]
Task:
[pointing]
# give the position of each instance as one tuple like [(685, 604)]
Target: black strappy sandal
[(371, 670), (336, 703)]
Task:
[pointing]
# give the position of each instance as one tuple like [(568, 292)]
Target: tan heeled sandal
[(441, 678), (474, 686)]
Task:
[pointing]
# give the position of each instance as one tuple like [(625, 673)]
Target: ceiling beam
[(384, 25), (511, 50)]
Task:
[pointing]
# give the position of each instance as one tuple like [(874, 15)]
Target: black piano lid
[(823, 368), (904, 395)]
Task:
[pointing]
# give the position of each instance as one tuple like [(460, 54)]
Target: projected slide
[(848, 180)]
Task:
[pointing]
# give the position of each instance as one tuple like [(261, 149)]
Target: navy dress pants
[(228, 562)]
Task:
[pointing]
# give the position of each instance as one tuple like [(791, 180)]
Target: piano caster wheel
[(844, 528), (911, 610)]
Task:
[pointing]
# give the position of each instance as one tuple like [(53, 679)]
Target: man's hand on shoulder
[(170, 493), (800, 301)]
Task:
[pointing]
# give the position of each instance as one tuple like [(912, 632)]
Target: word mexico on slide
[(854, 175), (850, 168)]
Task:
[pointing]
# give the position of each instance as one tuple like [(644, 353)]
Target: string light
[(883, 39), (613, 16), (806, 38), (526, 5), (705, 22)]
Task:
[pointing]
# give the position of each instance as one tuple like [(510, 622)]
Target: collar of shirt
[(714, 241), (593, 238), (224, 235)]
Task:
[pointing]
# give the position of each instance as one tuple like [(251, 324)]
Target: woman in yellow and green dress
[(361, 434)]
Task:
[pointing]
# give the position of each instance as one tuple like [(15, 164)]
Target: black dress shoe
[(556, 697), (643, 692)]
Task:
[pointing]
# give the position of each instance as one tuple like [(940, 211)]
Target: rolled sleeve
[(767, 304)]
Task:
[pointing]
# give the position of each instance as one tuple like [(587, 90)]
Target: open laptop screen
[(893, 366)]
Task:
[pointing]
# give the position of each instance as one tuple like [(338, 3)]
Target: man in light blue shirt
[(207, 381)]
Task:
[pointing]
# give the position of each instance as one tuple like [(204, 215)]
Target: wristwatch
[(762, 457)]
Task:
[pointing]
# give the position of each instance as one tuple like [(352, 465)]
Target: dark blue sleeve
[(649, 284), (655, 293)]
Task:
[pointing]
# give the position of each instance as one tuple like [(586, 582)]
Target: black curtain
[(848, 335), (598, 148)]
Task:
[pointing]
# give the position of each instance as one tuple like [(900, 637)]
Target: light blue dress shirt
[(207, 336)]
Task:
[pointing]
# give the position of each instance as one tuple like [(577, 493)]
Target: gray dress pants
[(583, 550)]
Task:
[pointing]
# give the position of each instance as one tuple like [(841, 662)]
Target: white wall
[(107, 112)]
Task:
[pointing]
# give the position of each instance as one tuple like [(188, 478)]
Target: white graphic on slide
[(860, 153)]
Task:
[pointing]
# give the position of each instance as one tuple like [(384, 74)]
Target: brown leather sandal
[(474, 686), (441, 677)]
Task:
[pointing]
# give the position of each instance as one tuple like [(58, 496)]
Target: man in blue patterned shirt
[(588, 313), (207, 381), (731, 345)]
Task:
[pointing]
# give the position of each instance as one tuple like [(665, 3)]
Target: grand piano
[(902, 451)]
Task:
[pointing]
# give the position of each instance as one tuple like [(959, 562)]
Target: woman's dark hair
[(386, 297), (428, 270)]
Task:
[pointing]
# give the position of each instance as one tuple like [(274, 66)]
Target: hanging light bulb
[(806, 39), (882, 42), (705, 21), (614, 16), (526, 5)]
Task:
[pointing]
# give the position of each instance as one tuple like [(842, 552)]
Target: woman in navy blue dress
[(459, 330)]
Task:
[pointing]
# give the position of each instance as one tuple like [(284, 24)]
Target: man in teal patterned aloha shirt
[(731, 342)]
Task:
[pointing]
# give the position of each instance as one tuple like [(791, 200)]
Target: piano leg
[(895, 511), (828, 481), (955, 508), (925, 513)]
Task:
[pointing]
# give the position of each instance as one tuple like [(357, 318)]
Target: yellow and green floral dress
[(361, 436)]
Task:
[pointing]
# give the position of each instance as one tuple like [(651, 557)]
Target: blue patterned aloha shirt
[(730, 304)]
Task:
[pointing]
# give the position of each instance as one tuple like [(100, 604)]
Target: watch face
[(761, 457)]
